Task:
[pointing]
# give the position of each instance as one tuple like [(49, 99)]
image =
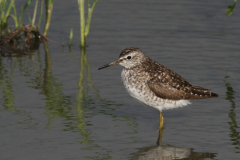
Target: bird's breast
[(136, 84), (135, 79)]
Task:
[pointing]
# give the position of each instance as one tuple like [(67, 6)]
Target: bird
[(154, 84)]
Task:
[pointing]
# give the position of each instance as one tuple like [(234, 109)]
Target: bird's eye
[(129, 57)]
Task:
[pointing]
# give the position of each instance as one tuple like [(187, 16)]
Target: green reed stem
[(49, 8), (4, 16), (90, 11), (231, 8), (85, 29), (82, 22), (20, 22), (40, 16), (34, 13), (70, 37)]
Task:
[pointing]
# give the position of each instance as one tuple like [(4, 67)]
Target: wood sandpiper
[(154, 84)]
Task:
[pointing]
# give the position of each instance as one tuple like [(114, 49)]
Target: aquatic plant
[(40, 16), (70, 37), (18, 23), (48, 14), (84, 29), (19, 41), (34, 14), (231, 7), (5, 13)]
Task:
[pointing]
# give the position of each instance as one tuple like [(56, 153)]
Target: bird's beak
[(110, 64)]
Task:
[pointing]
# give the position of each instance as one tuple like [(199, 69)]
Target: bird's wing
[(165, 91), (167, 84)]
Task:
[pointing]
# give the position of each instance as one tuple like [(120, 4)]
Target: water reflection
[(234, 134), (40, 76), (6, 85), (88, 98), (81, 98), (57, 104), (169, 152), (76, 111)]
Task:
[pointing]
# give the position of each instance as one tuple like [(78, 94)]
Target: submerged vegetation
[(23, 39), (30, 33), (20, 42)]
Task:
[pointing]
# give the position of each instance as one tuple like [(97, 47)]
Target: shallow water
[(57, 105)]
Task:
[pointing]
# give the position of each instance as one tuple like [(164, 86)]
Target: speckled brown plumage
[(167, 84), (154, 84)]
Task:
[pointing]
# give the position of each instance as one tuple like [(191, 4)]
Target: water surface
[(55, 104)]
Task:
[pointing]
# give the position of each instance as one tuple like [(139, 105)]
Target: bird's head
[(129, 57)]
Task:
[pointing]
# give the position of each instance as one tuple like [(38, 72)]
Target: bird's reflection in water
[(169, 152)]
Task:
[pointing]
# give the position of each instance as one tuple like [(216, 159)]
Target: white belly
[(136, 85)]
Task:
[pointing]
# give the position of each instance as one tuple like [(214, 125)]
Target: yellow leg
[(161, 121), (160, 136)]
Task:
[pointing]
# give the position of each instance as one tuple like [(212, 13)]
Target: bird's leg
[(160, 136), (161, 121)]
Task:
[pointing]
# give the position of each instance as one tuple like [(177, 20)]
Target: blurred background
[(55, 104)]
